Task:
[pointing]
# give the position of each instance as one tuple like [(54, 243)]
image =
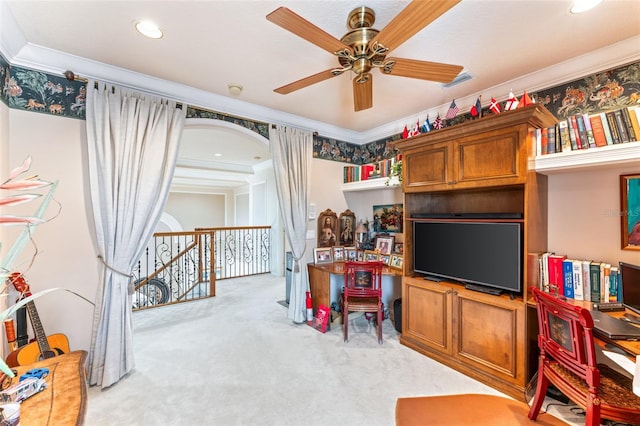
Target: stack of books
[(585, 131), (591, 281)]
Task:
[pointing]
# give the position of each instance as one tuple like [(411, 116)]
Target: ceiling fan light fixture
[(148, 29), (580, 6), (235, 89)]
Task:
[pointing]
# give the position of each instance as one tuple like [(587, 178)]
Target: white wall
[(197, 210), (584, 215), (66, 257)]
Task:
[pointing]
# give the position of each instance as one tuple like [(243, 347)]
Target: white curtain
[(133, 146), (291, 151)]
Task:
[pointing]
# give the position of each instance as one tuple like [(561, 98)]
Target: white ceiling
[(209, 44)]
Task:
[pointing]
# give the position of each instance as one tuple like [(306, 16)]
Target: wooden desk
[(320, 283), (64, 401)]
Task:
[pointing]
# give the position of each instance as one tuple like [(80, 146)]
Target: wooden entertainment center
[(481, 166)]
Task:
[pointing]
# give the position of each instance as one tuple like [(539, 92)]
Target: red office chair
[(568, 361), (362, 292)]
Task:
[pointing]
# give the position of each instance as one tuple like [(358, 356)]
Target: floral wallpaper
[(49, 94)]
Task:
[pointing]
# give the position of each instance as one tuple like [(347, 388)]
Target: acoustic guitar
[(45, 346)]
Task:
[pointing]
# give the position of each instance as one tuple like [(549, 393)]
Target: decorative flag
[(426, 126), (495, 106), (405, 132), (525, 100), (416, 130), (453, 110), (512, 102), (476, 110), (437, 123)]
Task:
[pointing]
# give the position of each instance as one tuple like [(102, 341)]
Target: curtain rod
[(71, 76)]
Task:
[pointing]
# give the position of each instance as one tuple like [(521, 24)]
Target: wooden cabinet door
[(488, 334), (428, 169), (490, 159), (426, 312)]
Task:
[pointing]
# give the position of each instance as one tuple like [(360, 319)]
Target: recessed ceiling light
[(148, 29), (235, 89), (580, 6)]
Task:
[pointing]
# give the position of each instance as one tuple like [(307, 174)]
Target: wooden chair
[(362, 293), (568, 360)]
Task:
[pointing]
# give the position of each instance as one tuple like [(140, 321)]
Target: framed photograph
[(347, 228), (322, 255), (327, 229), (359, 255), (388, 218), (384, 244), (385, 258), (363, 278), (371, 256), (338, 253), (398, 248), (630, 211), (396, 262), (351, 254)]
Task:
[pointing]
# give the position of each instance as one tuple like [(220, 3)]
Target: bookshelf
[(593, 158), (364, 185)]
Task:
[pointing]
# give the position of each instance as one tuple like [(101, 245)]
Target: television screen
[(483, 253), (630, 280)]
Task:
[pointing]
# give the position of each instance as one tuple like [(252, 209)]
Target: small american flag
[(453, 110)]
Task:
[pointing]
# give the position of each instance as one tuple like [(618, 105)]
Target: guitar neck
[(41, 337)]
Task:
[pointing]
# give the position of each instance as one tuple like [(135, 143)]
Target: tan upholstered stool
[(464, 410)]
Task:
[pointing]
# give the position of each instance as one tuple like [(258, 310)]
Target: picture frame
[(630, 211), (384, 244), (359, 255), (363, 279), (396, 262), (388, 218), (351, 254), (371, 256), (398, 248), (347, 231), (385, 258), (338, 254), (327, 229), (322, 255)]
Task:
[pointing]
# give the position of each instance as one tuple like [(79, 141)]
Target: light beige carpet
[(237, 359)]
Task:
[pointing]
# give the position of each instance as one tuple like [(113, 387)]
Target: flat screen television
[(483, 255), (630, 284)]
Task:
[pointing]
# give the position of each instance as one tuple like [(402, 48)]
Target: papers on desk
[(629, 366)]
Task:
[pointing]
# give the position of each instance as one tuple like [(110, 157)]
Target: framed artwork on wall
[(630, 211), (388, 218), (347, 228), (327, 229)]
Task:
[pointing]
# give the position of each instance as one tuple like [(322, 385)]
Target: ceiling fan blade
[(296, 24), (423, 70), (307, 81), (417, 15), (363, 93)]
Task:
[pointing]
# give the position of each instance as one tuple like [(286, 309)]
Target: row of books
[(368, 171), (578, 279), (584, 131)]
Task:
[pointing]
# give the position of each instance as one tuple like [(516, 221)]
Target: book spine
[(582, 131), (613, 127), (565, 139), (556, 274), (605, 280), (589, 130), (614, 284), (594, 277), (567, 268), (622, 128), (605, 127), (598, 130), (586, 280), (575, 139), (544, 261), (626, 118), (578, 287), (544, 141), (551, 144)]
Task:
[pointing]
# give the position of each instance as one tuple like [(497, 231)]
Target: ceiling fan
[(364, 48)]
